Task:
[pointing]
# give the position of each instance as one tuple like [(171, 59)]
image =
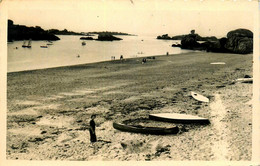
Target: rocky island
[(105, 36), (180, 37), (22, 32), (239, 41)]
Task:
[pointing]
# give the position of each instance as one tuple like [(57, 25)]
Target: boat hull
[(146, 130), (178, 118)]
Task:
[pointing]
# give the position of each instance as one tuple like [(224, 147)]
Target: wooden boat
[(178, 118), (145, 130), (199, 97)]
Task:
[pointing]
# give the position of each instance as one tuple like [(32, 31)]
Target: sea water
[(69, 51)]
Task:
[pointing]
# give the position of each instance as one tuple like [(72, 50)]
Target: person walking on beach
[(92, 127)]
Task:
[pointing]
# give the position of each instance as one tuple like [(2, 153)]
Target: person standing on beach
[(92, 127)]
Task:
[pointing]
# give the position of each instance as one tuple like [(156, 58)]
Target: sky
[(173, 17)]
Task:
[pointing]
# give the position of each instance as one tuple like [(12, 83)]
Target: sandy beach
[(49, 109)]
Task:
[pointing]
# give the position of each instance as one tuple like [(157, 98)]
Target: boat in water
[(27, 45)]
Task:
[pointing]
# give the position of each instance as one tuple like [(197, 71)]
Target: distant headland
[(22, 32)]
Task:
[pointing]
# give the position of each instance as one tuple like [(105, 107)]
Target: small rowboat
[(178, 118), (199, 97), (245, 80), (145, 130)]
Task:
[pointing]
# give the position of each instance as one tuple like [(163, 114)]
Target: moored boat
[(28, 45)]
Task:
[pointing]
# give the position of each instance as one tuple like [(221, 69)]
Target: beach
[(48, 110)]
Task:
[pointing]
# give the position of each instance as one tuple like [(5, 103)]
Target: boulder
[(216, 46), (239, 41), (189, 42)]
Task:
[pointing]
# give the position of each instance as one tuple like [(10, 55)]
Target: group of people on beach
[(114, 58)]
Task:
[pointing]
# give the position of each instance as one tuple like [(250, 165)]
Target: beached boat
[(178, 118), (199, 97), (245, 80), (28, 45), (218, 63), (145, 130), (44, 46)]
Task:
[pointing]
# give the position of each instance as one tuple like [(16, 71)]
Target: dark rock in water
[(165, 37), (240, 41), (86, 38), (107, 37)]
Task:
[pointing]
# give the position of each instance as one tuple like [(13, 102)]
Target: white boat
[(218, 63), (245, 80), (178, 118), (199, 97)]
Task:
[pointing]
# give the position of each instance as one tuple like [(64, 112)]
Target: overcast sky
[(135, 16)]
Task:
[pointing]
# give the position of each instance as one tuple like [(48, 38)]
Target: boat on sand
[(244, 80), (199, 97), (178, 118), (146, 130)]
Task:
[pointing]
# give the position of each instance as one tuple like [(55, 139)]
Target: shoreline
[(105, 61), (48, 109)]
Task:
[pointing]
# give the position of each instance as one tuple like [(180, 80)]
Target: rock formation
[(240, 41), (107, 37), (21, 32)]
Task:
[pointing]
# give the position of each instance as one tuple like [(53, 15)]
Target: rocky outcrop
[(21, 32), (189, 42), (107, 37), (240, 41), (181, 37), (86, 38), (164, 37)]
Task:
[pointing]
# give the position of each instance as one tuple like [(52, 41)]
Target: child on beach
[(92, 132)]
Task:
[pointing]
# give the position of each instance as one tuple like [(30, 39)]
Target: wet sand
[(49, 110)]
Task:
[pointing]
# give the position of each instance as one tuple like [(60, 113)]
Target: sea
[(70, 51)]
